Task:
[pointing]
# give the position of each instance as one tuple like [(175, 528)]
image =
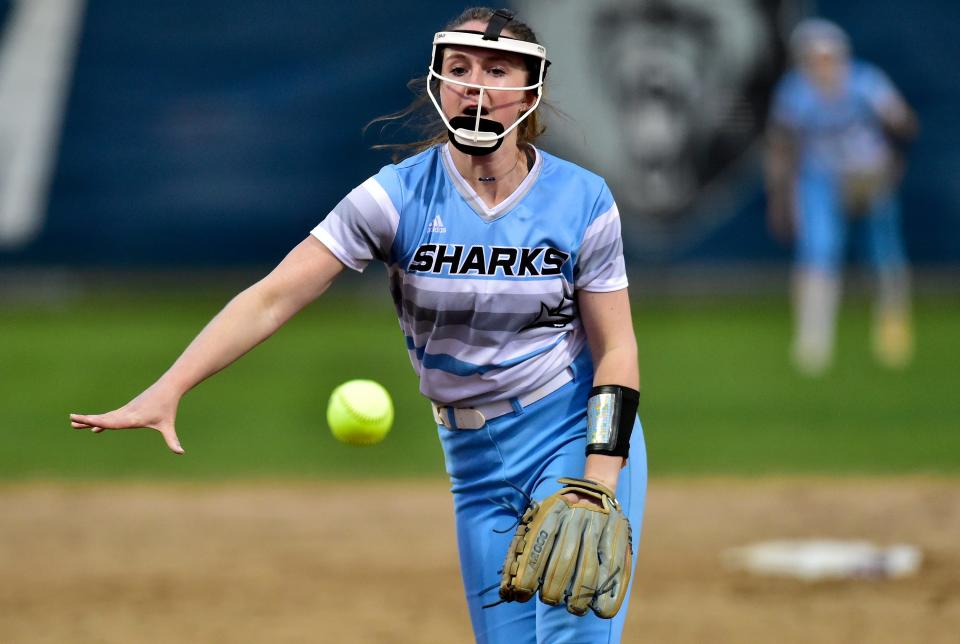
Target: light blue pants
[(823, 228), (531, 449)]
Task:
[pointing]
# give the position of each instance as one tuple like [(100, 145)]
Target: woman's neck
[(495, 176)]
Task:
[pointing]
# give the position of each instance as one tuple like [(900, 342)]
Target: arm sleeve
[(600, 266), (363, 225), (880, 91)]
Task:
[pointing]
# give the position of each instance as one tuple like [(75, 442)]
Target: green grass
[(720, 397), (718, 394)]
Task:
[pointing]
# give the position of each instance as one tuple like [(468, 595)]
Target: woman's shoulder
[(428, 156), (868, 76), (793, 86), (407, 169), (557, 168)]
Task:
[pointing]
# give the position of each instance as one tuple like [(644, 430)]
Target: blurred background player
[(834, 162)]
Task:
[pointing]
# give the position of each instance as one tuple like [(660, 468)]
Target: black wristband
[(611, 413)]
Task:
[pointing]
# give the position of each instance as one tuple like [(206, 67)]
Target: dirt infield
[(285, 563)]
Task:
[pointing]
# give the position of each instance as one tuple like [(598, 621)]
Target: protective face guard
[(478, 140)]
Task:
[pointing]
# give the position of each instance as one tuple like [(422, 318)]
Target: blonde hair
[(421, 117)]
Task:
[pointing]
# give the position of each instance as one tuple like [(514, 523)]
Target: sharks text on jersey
[(488, 260)]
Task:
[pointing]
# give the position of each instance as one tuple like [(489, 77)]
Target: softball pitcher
[(505, 265)]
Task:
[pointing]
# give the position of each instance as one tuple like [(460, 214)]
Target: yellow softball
[(360, 412)]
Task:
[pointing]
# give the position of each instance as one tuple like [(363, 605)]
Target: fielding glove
[(577, 554)]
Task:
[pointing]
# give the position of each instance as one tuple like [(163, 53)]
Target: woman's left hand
[(573, 498), (601, 469)]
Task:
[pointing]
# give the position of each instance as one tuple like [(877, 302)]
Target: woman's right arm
[(246, 321), (780, 167)]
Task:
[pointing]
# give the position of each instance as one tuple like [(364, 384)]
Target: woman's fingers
[(170, 436), (92, 428), (78, 425), (97, 423), (112, 420)]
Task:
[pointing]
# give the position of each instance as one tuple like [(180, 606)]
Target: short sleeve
[(785, 109), (363, 225), (879, 90), (600, 266)]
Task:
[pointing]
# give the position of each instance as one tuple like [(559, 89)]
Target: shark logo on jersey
[(553, 318), (436, 226), (488, 260)]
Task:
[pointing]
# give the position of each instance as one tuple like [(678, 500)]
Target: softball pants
[(823, 228), (531, 449)]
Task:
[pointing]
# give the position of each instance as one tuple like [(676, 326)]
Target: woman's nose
[(476, 78)]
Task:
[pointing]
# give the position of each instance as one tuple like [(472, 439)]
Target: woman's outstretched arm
[(246, 321)]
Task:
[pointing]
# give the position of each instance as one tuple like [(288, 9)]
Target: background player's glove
[(576, 554)]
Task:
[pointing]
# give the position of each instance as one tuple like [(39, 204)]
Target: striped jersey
[(485, 296)]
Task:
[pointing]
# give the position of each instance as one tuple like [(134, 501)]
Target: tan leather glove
[(579, 554)]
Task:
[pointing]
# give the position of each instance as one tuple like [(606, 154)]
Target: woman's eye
[(498, 72), (457, 71)]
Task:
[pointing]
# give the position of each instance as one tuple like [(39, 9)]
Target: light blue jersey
[(838, 133), (485, 296), (486, 300)]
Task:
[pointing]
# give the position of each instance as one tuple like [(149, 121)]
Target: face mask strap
[(497, 23)]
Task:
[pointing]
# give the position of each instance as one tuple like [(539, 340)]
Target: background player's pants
[(822, 232), (531, 450)]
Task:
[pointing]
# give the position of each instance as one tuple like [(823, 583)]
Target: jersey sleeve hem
[(337, 249), (605, 286)]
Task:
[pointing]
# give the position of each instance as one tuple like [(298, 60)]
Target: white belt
[(477, 417)]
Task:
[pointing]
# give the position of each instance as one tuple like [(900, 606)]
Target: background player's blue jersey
[(485, 296), (842, 132)]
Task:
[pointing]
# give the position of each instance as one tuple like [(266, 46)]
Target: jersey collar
[(473, 199)]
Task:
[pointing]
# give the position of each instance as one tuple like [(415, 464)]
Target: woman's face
[(484, 67), (825, 66)]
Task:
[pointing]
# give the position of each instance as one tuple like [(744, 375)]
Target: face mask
[(476, 135)]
